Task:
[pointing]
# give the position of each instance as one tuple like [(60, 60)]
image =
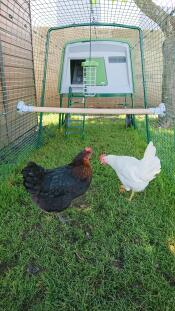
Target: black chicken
[(54, 189)]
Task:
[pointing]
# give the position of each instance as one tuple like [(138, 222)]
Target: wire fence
[(17, 80), (24, 29)]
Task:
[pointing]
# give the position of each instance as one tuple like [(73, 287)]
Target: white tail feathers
[(150, 151), (151, 163)]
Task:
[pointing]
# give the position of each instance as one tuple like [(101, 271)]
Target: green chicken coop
[(100, 69)]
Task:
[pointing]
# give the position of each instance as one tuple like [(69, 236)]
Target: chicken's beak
[(89, 152), (88, 149), (102, 159)]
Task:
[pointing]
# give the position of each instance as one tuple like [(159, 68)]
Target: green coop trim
[(99, 95), (98, 39)]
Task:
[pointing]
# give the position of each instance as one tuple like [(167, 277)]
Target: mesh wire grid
[(16, 80), (24, 27)]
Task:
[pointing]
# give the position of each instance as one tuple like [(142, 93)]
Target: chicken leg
[(131, 196)]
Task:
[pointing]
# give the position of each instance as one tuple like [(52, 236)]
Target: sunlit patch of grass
[(113, 255), (171, 246), (50, 118)]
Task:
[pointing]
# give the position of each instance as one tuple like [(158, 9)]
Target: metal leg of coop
[(125, 102), (60, 115), (133, 116)]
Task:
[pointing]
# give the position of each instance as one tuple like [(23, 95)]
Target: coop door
[(101, 78)]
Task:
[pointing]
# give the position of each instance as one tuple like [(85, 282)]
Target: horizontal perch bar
[(21, 107), (92, 111)]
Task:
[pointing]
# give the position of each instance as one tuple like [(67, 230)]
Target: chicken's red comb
[(88, 149)]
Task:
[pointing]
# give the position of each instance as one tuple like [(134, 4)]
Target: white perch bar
[(22, 107)]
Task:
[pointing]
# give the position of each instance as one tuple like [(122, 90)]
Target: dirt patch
[(118, 262)]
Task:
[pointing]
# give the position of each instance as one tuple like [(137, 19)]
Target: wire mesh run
[(17, 80), (24, 33)]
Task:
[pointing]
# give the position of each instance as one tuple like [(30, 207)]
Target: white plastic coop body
[(113, 69)]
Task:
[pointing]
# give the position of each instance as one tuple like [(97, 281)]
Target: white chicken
[(134, 174)]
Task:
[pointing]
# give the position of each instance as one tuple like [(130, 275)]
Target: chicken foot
[(62, 219), (122, 189)]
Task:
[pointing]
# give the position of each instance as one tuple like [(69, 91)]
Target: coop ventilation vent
[(117, 59)]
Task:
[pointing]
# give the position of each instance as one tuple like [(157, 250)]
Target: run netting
[(33, 38)]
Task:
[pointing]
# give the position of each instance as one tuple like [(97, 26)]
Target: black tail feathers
[(32, 177)]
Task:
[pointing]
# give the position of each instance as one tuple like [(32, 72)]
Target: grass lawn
[(112, 256)]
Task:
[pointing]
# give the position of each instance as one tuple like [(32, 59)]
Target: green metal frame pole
[(60, 115), (144, 84), (44, 84), (94, 24), (133, 116)]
